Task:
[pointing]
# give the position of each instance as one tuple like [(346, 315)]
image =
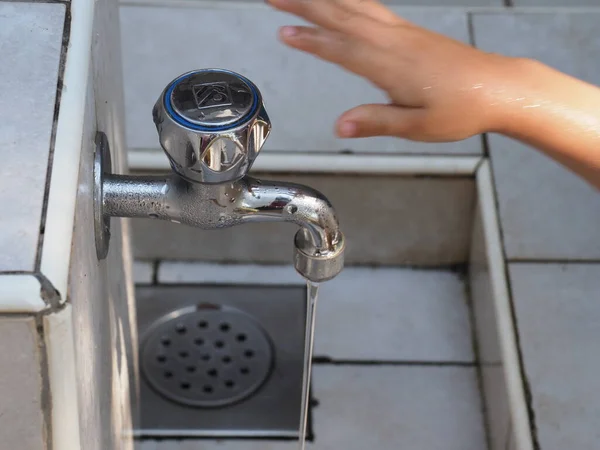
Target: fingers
[(352, 54), (331, 15), (383, 120), (373, 9)]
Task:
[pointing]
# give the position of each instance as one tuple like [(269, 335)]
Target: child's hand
[(439, 89)]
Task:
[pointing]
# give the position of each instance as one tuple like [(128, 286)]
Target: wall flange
[(102, 167)]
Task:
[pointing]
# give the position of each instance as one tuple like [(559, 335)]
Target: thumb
[(381, 120)]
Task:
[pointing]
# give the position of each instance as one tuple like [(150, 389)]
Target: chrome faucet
[(212, 124)]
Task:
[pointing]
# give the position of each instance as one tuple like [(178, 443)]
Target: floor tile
[(174, 272), (385, 408), (546, 211), (303, 95), (28, 82), (557, 313), (143, 272), (364, 313), (394, 314)]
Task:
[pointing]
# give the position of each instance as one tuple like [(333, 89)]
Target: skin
[(442, 90)]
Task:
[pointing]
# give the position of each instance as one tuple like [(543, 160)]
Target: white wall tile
[(303, 95), (28, 81), (546, 211), (389, 408), (20, 293), (557, 311), (387, 220), (100, 292)]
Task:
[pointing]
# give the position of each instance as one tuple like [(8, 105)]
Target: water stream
[(312, 290)]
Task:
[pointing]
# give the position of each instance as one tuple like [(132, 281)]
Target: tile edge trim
[(508, 341), (60, 216), (334, 163), (60, 351)]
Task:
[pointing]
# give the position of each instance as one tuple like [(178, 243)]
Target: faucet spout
[(263, 201), (319, 244)]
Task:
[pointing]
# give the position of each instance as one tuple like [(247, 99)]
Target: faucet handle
[(211, 124)]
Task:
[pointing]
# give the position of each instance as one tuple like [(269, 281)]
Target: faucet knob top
[(212, 124)]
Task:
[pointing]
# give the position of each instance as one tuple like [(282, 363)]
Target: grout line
[(141, 437), (66, 35), (45, 391), (552, 261), (154, 277), (328, 361)]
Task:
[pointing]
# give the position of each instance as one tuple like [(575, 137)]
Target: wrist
[(514, 93)]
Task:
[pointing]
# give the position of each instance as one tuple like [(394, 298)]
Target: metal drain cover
[(206, 356)]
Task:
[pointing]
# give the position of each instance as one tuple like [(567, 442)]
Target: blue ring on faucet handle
[(194, 126)]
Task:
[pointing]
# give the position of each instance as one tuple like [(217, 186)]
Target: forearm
[(555, 113)]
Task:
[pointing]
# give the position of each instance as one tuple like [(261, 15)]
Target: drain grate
[(206, 356)]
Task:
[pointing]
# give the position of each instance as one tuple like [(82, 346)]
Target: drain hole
[(244, 371), (203, 324), (166, 341), (191, 369), (212, 373), (248, 354), (180, 328), (224, 327), (185, 385), (161, 358), (207, 389), (184, 354), (205, 357), (219, 344), (199, 341), (226, 359), (168, 375), (241, 337), (229, 383)]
